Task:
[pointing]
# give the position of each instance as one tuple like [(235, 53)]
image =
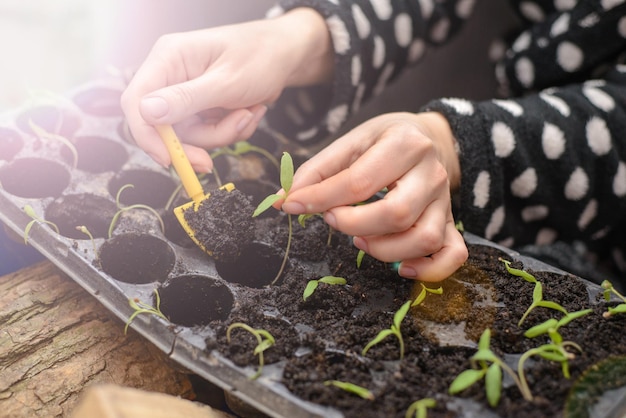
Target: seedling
[(306, 216), (556, 350), (264, 338), (286, 180), (351, 388), (393, 330), (612, 310), (143, 308), (425, 290), (122, 209), (359, 258), (311, 286), (43, 134), (537, 292), (84, 230), (243, 147), (488, 366), (36, 218), (419, 409)]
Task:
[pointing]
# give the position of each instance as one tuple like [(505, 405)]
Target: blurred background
[(53, 46)]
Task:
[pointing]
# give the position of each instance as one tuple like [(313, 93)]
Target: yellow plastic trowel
[(189, 179)]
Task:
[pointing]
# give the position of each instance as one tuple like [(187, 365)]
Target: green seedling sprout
[(351, 388), (398, 317), (122, 209), (43, 134), (425, 290), (311, 286), (286, 180), (359, 258), (306, 216), (556, 350), (537, 292), (488, 366), (143, 308), (244, 147), (419, 409), (264, 338), (28, 209), (84, 230), (612, 310)]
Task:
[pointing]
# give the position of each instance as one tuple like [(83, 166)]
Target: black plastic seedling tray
[(38, 170)]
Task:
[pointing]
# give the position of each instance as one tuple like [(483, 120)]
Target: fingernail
[(360, 243), (244, 121), (330, 219), (258, 115), (155, 107), (408, 272), (294, 208)]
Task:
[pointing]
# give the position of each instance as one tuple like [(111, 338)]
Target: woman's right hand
[(214, 84)]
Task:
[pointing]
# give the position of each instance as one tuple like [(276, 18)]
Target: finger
[(199, 158), (441, 264), (373, 170), (237, 125), (423, 238)]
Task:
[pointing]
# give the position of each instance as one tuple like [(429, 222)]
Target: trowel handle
[(181, 162)]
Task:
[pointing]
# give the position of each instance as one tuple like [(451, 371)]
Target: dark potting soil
[(223, 223), (321, 339)]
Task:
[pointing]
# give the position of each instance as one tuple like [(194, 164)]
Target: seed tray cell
[(88, 182)]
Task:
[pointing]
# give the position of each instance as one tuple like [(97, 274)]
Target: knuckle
[(401, 216), (431, 240)]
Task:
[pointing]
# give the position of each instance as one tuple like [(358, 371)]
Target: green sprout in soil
[(84, 230), (351, 388), (122, 209), (237, 150), (306, 216), (419, 409), (43, 134), (537, 292), (286, 180), (398, 317), (264, 339), (359, 258), (608, 290), (143, 308), (425, 290), (311, 286), (28, 209), (488, 366), (556, 350)]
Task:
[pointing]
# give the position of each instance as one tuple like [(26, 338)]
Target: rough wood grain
[(56, 340)]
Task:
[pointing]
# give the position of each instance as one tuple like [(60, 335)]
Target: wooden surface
[(56, 341)]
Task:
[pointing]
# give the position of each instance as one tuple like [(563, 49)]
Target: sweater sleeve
[(373, 43), (546, 167)]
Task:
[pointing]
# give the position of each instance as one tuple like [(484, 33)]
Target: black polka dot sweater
[(543, 166)]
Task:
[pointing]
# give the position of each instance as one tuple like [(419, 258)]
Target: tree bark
[(56, 340)]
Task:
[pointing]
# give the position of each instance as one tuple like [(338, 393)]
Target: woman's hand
[(214, 84), (414, 157)]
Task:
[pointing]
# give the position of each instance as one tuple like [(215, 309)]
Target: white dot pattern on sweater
[(545, 164)]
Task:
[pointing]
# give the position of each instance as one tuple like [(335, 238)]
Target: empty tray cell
[(100, 101), (34, 178), (195, 299), (256, 266), (137, 258), (96, 154)]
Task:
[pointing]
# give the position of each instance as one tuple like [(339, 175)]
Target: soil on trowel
[(223, 223)]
